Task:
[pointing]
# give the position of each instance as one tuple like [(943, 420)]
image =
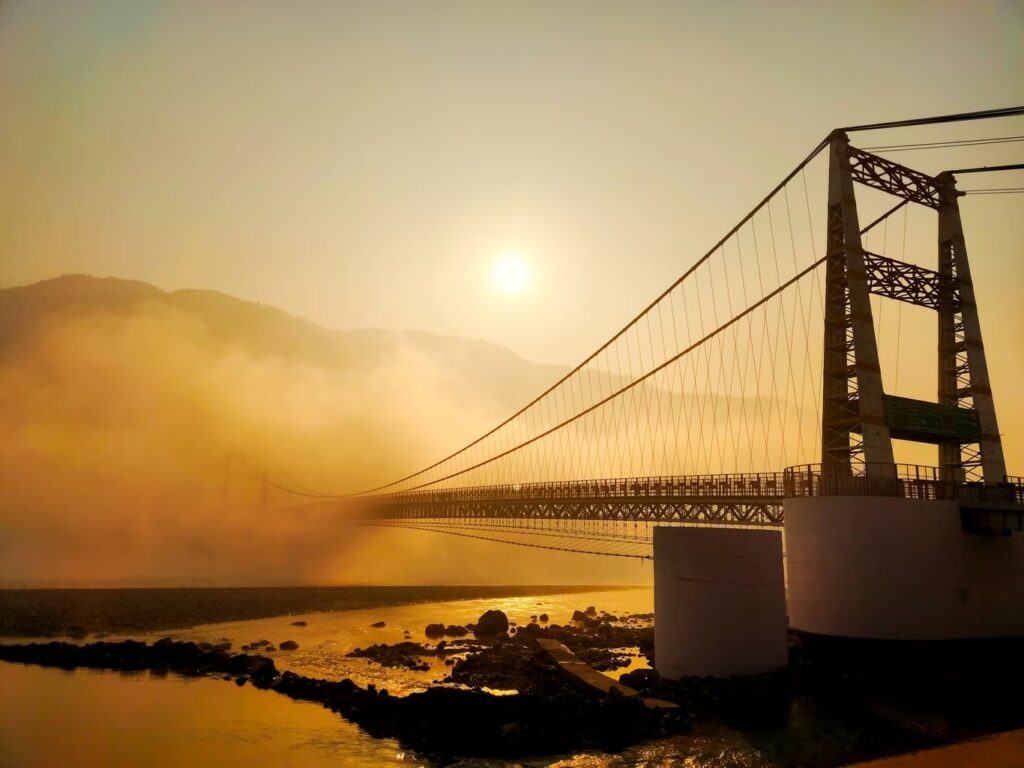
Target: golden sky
[(363, 164), (377, 164)]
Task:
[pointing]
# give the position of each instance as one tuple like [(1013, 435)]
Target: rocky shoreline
[(77, 613), (442, 724), (892, 696)]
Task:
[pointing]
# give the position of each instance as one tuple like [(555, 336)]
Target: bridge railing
[(756, 485), (911, 481)]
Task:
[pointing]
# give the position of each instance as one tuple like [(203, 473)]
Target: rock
[(530, 630), (441, 645), (222, 646), (434, 630), (454, 630), (270, 649), (579, 616), (298, 623), (378, 624), (289, 645), (241, 680), (492, 623), (543, 618), (641, 678), (511, 732), (591, 611), (399, 655)]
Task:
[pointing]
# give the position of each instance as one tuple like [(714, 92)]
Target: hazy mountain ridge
[(263, 330), (137, 423)]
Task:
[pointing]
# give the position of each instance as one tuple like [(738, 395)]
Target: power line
[(990, 168), (995, 191), (959, 117), (945, 144)]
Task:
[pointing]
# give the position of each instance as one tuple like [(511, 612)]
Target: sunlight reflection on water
[(108, 718)]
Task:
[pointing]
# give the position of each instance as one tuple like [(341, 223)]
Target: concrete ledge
[(588, 678)]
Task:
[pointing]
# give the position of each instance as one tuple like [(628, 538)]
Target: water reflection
[(50, 717)]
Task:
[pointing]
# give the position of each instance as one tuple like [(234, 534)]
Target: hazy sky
[(364, 164)]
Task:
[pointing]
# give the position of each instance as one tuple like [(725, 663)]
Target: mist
[(135, 441)]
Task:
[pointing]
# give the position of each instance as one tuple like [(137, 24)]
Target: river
[(86, 718)]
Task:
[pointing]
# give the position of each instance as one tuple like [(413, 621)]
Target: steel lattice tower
[(859, 420)]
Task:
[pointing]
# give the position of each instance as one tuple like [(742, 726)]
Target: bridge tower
[(859, 420)]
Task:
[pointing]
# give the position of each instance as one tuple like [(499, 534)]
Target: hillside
[(491, 372), (138, 421)]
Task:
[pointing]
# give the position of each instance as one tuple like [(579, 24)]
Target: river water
[(50, 717)]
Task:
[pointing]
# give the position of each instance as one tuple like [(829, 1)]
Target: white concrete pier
[(719, 602), (899, 569)]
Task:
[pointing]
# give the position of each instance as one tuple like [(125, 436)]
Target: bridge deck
[(730, 499)]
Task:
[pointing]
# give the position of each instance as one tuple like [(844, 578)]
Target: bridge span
[(742, 499)]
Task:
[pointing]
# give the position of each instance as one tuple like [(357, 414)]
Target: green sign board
[(930, 422)]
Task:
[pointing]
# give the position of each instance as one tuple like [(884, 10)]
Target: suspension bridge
[(758, 376)]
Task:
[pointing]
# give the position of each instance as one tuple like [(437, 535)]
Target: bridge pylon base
[(891, 568), (719, 602)]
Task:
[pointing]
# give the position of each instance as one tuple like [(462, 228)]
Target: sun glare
[(510, 273)]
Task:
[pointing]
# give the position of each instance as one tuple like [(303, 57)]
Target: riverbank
[(77, 613), (443, 724), (835, 703)]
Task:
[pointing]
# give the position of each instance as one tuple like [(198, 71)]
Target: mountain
[(138, 424), (490, 372)]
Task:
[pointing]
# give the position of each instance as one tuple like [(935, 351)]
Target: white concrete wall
[(719, 602), (899, 569)]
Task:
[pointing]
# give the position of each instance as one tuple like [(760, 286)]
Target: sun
[(510, 273)]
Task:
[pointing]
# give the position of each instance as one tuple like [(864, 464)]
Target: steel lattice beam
[(907, 282), (613, 509), (879, 173)]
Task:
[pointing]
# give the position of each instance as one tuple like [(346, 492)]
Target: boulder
[(298, 623), (530, 630), (492, 622), (641, 678), (289, 645), (591, 611), (454, 630), (543, 618), (579, 616), (435, 630), (378, 624)]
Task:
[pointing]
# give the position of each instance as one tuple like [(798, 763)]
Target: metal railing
[(754, 485), (911, 481)]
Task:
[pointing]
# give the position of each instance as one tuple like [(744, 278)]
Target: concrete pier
[(899, 569), (719, 602)]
